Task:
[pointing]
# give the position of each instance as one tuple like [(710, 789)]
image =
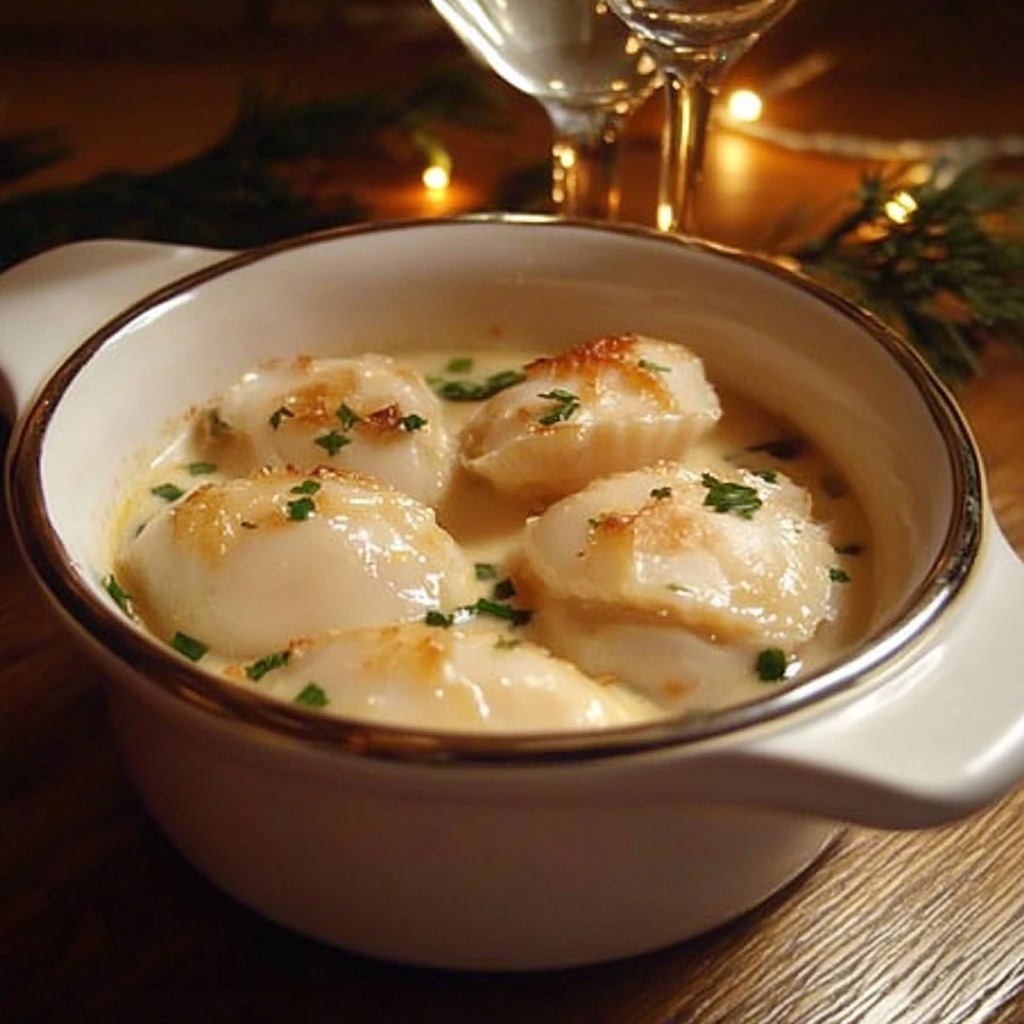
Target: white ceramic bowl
[(537, 851)]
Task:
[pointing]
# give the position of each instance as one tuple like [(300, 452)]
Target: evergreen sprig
[(944, 265), (251, 186)]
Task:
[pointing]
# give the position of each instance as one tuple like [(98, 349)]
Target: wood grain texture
[(101, 920)]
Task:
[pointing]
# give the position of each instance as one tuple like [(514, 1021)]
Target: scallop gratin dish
[(473, 541)]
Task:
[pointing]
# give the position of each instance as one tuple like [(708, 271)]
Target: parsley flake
[(460, 364), (306, 487), (188, 646), (169, 492), (312, 696), (724, 496), (504, 590), (837, 575), (506, 643), (473, 391), (652, 367), (119, 595), (280, 413), (201, 468), (566, 406), (768, 475), (486, 606), (771, 664), (300, 509), (436, 618), (412, 422), (661, 493), (485, 570), (332, 442), (261, 666), (348, 416)]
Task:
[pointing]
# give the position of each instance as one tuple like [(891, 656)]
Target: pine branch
[(944, 264), (247, 188)]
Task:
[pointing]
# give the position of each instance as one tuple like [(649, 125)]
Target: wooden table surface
[(102, 921)]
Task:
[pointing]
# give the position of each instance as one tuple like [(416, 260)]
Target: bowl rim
[(53, 567)]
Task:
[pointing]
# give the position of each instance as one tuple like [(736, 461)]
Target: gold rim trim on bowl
[(53, 567)]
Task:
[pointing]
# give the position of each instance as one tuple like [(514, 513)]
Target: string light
[(437, 178), (744, 105), (900, 208)]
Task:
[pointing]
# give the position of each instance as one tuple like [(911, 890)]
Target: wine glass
[(580, 62), (694, 42)]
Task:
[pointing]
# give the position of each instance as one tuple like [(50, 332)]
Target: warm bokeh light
[(436, 178), (664, 217), (900, 208), (744, 105)]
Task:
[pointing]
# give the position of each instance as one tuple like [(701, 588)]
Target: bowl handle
[(52, 302), (942, 735)]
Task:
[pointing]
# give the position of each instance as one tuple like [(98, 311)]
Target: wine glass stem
[(688, 97), (585, 157)]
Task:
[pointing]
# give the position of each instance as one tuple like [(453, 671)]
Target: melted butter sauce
[(488, 524)]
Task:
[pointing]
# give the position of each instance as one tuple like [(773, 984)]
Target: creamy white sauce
[(610, 667)]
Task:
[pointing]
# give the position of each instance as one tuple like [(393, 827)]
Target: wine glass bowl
[(694, 42), (578, 60)]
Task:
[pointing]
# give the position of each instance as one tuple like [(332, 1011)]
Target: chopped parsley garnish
[(312, 696), (849, 549), (332, 442), (504, 590), (474, 391), (485, 606), (768, 475), (119, 595), (412, 422), (306, 487), (460, 364), (724, 496), (169, 492), (651, 367), (259, 668), (201, 468), (784, 448), (485, 570), (436, 618), (771, 664), (348, 416), (837, 575), (506, 643), (301, 508), (679, 588), (280, 413), (661, 493), (566, 405), (190, 647), (482, 606)]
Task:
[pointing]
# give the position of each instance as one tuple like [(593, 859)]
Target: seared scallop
[(609, 405), (261, 560), (733, 557), (707, 566), (370, 413), (473, 678)]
